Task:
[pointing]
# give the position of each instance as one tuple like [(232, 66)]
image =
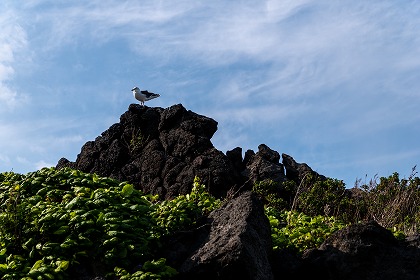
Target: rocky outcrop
[(233, 243), (160, 151), (297, 171), (264, 165), (362, 251)]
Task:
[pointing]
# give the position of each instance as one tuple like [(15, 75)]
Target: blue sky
[(334, 84)]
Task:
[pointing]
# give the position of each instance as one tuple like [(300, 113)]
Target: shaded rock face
[(362, 251), (264, 165), (235, 244), (160, 151), (297, 171)]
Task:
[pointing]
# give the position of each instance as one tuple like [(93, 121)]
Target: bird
[(143, 95)]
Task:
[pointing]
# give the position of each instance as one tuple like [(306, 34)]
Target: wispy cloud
[(12, 42), (28, 143), (101, 20), (41, 164)]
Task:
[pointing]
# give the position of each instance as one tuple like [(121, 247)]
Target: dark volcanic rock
[(413, 240), (297, 171), (235, 156), (263, 165), (235, 244), (160, 151), (363, 251)]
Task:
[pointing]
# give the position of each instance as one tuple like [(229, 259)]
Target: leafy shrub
[(268, 191), (293, 229), (151, 270), (56, 220), (321, 197), (297, 231), (183, 211), (323, 205)]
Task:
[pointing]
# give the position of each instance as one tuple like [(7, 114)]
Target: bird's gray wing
[(148, 94)]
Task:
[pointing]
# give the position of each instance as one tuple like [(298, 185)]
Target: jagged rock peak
[(158, 150)]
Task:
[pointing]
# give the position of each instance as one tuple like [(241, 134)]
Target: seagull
[(143, 95)]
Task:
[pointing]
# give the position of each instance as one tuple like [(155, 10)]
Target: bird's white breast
[(138, 96)]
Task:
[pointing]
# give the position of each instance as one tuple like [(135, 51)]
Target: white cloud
[(12, 42), (40, 164), (4, 159), (99, 21), (8, 97), (328, 47), (29, 143)]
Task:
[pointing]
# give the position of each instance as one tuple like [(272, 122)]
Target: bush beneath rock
[(66, 224)]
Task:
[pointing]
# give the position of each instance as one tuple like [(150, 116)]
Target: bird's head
[(134, 88)]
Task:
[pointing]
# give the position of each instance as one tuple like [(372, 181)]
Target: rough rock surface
[(297, 171), (235, 244), (363, 251), (263, 165), (160, 151)]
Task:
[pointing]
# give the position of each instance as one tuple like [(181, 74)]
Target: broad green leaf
[(127, 190)]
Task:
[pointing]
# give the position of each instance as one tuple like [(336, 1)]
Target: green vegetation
[(297, 231), (151, 270), (54, 220), (183, 211), (300, 223), (322, 206), (135, 140), (393, 202)]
